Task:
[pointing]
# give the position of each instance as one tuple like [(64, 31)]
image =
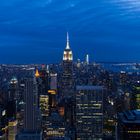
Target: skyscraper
[(30, 106), (42, 77), (12, 108), (67, 76), (67, 89), (31, 109), (87, 59), (12, 98), (89, 112), (53, 90), (53, 81), (135, 99), (67, 56)]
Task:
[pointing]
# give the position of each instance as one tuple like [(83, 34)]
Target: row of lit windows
[(90, 117), (133, 131), (89, 104)]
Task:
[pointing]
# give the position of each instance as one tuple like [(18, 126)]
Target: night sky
[(34, 31)]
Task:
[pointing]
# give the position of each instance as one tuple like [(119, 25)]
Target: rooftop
[(89, 87), (132, 116)]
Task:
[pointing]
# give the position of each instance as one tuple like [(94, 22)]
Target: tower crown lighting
[(67, 55), (37, 73)]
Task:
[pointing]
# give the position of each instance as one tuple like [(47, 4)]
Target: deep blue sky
[(34, 31)]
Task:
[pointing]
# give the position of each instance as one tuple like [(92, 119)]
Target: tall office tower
[(87, 59), (42, 77), (67, 76), (135, 99), (30, 103), (44, 106), (129, 125), (12, 99), (52, 100), (53, 90), (12, 108), (89, 112), (20, 107), (53, 81), (3, 123), (123, 78), (31, 110), (13, 88)]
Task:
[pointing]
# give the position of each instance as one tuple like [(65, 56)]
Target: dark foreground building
[(89, 112), (129, 125), (31, 129)]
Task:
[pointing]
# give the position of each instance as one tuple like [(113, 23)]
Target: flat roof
[(132, 116), (85, 87)]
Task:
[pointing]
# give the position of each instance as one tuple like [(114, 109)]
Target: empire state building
[(67, 56), (67, 76)]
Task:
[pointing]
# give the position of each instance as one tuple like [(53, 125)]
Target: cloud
[(42, 3), (45, 22)]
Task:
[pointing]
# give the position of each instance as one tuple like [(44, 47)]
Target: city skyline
[(69, 69), (35, 31)]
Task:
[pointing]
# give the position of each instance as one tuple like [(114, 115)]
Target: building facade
[(89, 112), (129, 125)]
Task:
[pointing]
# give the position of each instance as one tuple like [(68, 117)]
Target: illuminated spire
[(37, 73), (68, 52), (68, 44)]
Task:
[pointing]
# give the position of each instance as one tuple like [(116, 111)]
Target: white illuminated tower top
[(67, 56), (87, 59)]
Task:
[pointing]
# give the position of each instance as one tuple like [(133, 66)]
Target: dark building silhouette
[(89, 112), (12, 99), (31, 110), (129, 125)]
